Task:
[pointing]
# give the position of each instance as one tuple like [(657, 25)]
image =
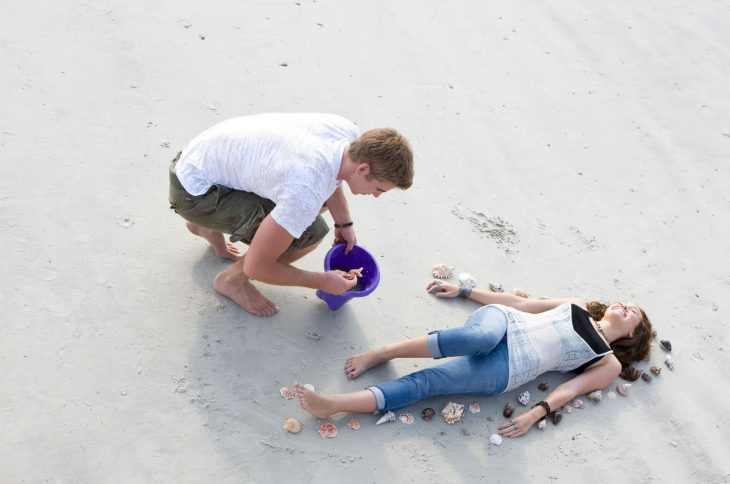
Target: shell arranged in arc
[(656, 370), (567, 408), (387, 417), (541, 424), (623, 388), (556, 416), (578, 403), (646, 377), (467, 280), (474, 407), (665, 344), (495, 439), (595, 396), (611, 394), (543, 386), (519, 292), (327, 430), (286, 392), (453, 412), (442, 271), (508, 410), (406, 418), (428, 414), (292, 426), (524, 398), (353, 424), (495, 287), (669, 361)]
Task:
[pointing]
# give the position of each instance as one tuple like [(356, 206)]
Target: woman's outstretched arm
[(599, 376), (484, 296)]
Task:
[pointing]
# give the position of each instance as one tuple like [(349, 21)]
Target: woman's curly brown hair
[(627, 350)]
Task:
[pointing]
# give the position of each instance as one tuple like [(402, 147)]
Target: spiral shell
[(353, 424), (292, 426), (387, 417), (406, 418), (453, 412), (669, 361), (442, 271), (656, 370), (328, 430), (665, 344), (428, 414), (508, 410)]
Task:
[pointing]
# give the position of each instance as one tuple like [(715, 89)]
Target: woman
[(509, 341)]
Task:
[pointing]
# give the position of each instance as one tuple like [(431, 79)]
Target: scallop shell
[(286, 392), (669, 361), (541, 424), (567, 408), (524, 398), (406, 418), (428, 414), (595, 396), (543, 386), (442, 271), (467, 280), (474, 407), (666, 345), (646, 377), (328, 430), (611, 394), (353, 424), (495, 287), (453, 412), (623, 388), (292, 426), (578, 403), (495, 439), (508, 410), (656, 370), (556, 416), (520, 292), (387, 417)]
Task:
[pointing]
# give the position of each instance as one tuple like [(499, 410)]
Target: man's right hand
[(337, 282)]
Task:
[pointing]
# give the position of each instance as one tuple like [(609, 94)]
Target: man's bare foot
[(222, 249), (244, 294), (318, 404), (359, 364)]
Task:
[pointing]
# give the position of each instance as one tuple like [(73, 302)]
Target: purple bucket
[(356, 258)]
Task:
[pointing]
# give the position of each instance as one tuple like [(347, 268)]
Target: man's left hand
[(345, 236)]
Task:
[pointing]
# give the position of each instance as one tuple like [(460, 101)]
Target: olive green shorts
[(233, 212)]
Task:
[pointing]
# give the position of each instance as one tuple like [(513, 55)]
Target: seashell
[(611, 394), (387, 417), (286, 392), (656, 370), (442, 271), (496, 439), (666, 345), (406, 418), (595, 396), (428, 414), (292, 426), (669, 361), (520, 292), (353, 424), (453, 412), (309, 387), (508, 410), (541, 424), (646, 377), (556, 416), (578, 403), (567, 408), (524, 398), (543, 386), (623, 388), (327, 430), (495, 287), (467, 280), (474, 407)]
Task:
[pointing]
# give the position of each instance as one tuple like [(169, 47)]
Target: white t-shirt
[(291, 159)]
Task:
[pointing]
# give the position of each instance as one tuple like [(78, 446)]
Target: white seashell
[(442, 271), (406, 418), (467, 280), (286, 392), (595, 396), (495, 287), (520, 292), (496, 439), (541, 424), (623, 388), (567, 408), (524, 398), (309, 387), (610, 394), (669, 361), (453, 412), (474, 407), (578, 403), (387, 417)]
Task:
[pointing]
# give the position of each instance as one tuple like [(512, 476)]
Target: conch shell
[(453, 412), (387, 417)]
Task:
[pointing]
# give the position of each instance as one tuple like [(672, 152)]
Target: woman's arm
[(598, 376), (484, 296)]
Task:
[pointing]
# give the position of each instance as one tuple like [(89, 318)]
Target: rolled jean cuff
[(379, 399), (433, 345)]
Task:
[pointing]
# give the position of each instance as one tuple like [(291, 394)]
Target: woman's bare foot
[(359, 364), (222, 249), (318, 404), (242, 292)]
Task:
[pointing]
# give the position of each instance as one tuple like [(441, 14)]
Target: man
[(265, 179)]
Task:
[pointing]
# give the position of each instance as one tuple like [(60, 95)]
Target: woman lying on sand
[(504, 344)]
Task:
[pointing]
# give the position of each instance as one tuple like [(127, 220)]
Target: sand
[(569, 149)]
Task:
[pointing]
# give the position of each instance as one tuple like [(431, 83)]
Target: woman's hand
[(442, 289), (519, 425)]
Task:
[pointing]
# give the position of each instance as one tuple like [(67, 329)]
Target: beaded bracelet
[(464, 291), (344, 225), (545, 405)]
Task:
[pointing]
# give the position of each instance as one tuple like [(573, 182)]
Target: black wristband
[(545, 405), (464, 291), (344, 225)]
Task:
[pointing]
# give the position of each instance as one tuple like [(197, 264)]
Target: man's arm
[(340, 211), (262, 262)]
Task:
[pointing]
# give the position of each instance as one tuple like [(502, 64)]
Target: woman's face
[(627, 314)]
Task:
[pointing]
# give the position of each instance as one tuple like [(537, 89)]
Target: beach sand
[(568, 149)]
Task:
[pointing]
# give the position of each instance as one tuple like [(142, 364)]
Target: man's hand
[(337, 282), (345, 236)]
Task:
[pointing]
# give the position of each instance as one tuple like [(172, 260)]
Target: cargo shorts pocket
[(246, 230)]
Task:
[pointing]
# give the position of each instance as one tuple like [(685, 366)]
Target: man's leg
[(221, 247)]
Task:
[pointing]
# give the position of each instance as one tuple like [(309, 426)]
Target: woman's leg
[(322, 405)]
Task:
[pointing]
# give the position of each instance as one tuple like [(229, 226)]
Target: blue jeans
[(482, 366)]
